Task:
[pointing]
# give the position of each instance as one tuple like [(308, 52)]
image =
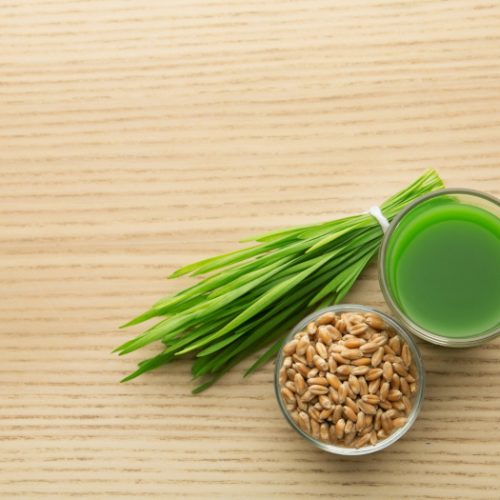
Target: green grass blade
[(221, 260), (260, 304), (269, 354), (141, 318), (150, 364)]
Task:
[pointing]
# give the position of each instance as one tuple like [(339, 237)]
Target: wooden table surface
[(140, 136)]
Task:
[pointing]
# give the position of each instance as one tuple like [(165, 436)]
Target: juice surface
[(443, 267)]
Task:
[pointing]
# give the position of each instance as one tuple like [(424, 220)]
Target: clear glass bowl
[(416, 400), (474, 198)]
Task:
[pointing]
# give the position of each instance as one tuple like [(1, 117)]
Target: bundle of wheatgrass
[(250, 298)]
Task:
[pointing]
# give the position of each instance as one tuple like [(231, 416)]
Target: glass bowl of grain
[(349, 379)]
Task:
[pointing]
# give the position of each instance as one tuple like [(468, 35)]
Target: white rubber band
[(377, 214)]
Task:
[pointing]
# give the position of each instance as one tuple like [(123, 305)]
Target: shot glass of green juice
[(439, 267)]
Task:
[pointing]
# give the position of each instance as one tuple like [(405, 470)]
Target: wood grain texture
[(139, 136)]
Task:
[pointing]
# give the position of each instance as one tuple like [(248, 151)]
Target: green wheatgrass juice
[(443, 267)]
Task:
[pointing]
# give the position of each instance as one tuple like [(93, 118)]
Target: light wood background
[(139, 136)]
